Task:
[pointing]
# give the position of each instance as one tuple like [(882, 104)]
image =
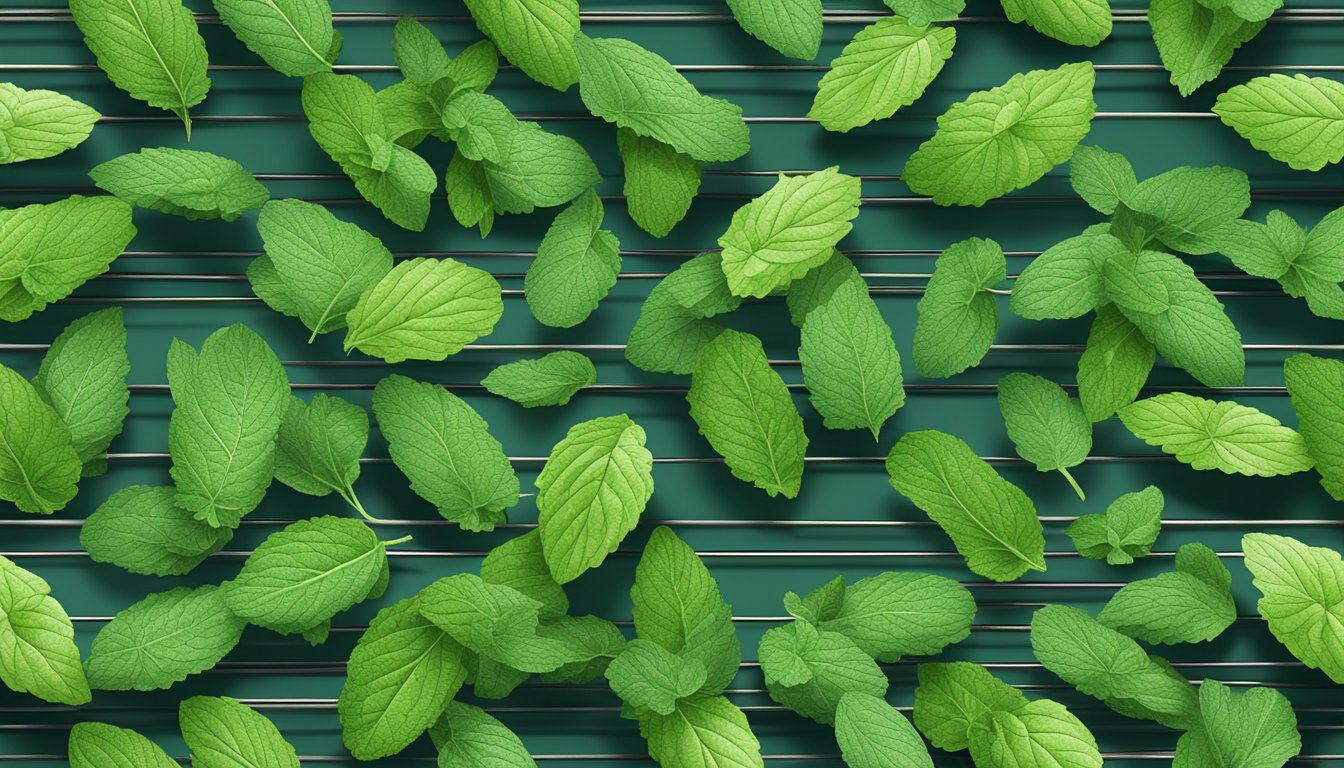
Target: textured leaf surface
[(40, 124), (1048, 428), (922, 12), (1114, 366), (660, 182), (1184, 207), (295, 37), (668, 337), (1065, 280), (495, 621), (38, 654), (874, 734), (1195, 42), (958, 317), (953, 696), (546, 381), (98, 745), (193, 185), (1307, 265), (1042, 733), (1240, 730), (1302, 599), (520, 563), (1076, 22), (810, 670), (39, 466), (1226, 436), (468, 736), (647, 676), (319, 444), (576, 265), (1126, 532), (1104, 179), (1316, 386), (1191, 604), (702, 732), (1298, 120), (536, 35), (225, 733), (897, 614), (83, 378), (885, 67), (792, 27), (142, 529)]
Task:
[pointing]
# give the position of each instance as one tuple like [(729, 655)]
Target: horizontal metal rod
[(240, 278), (1144, 459), (764, 68), (644, 758), (730, 554)]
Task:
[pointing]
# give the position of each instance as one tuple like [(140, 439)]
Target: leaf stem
[(395, 542), (1076, 488), (348, 493)]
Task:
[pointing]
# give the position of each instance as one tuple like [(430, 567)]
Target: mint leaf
[(1114, 366), (649, 677), (536, 35), (873, 734), (318, 447), (493, 680), (1191, 604), (1126, 532), (745, 411), (1005, 138), (635, 88), (98, 745), (810, 670), (47, 251), (229, 401), (1226, 436), (668, 337), (1065, 281), (1040, 730), (790, 230), (162, 639), (700, 286), (142, 529), (1257, 727), (418, 53), (546, 381), (540, 170), (678, 606), (399, 184), (1104, 179), (1316, 386), (466, 735), (1303, 599), (592, 642), (591, 493), (953, 696), (1195, 43), (922, 12), (268, 286), (876, 612), (520, 563), (577, 263), (223, 733), (182, 182), (991, 522), (821, 604), (476, 121), (1250, 10), (1106, 665), (1307, 266), (402, 673), (41, 124), (958, 317), (1185, 207), (813, 289), (424, 309), (702, 732), (495, 621), (1076, 22), (151, 49), (887, 66), (37, 641), (469, 197), (446, 450), (792, 27), (294, 37), (323, 264), (660, 182), (83, 378), (39, 467), (1296, 120), (1048, 428)]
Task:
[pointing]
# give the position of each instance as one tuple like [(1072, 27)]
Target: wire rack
[(186, 279)]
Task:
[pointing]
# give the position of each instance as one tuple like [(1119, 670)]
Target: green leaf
[(418, 53), (958, 316), (1114, 366), (546, 381), (225, 733), (83, 378), (324, 264), (1125, 532), (424, 309), (402, 673), (788, 231), (536, 35), (1226, 436), (37, 641), (467, 736), (446, 450), (678, 606), (1316, 386), (495, 621), (306, 573), (1296, 120), (887, 66), (1065, 282), (851, 367), (39, 466), (469, 195), (874, 734), (41, 124), (1255, 728), (954, 696), (98, 745), (1250, 10), (668, 337), (821, 604), (294, 37), (923, 12), (660, 182), (1160, 294), (702, 732), (1106, 665), (1191, 604), (815, 288), (1303, 598), (745, 411), (540, 170), (792, 27), (810, 670), (162, 639), (1185, 207), (1076, 22), (142, 529), (1195, 43), (1042, 732), (577, 263), (519, 563), (896, 614), (493, 680), (637, 89), (47, 251), (1005, 138), (477, 121), (150, 49), (319, 444), (268, 286), (182, 182), (1104, 179), (229, 401), (1307, 266), (700, 286), (649, 677), (992, 523), (592, 643), (591, 493), (1048, 428), (400, 187)]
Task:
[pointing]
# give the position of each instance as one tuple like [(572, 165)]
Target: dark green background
[(757, 547)]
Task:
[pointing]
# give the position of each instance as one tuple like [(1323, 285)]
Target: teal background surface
[(184, 279)]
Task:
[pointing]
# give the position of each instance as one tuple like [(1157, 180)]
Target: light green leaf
[(1250, 10), (343, 115), (991, 521), (540, 170), (446, 450), (1076, 22), (745, 411), (1065, 282), (874, 734), (1195, 43), (887, 65), (1127, 531), (1303, 598), (702, 732), (592, 644), (816, 287), (162, 639), (792, 27), (668, 337), (1309, 266), (897, 614), (536, 35), (1005, 138), (182, 182), (1048, 428), (294, 37), (923, 12), (1104, 179), (141, 529), (1297, 120), (576, 265), (225, 733), (1114, 366), (418, 53), (268, 286), (954, 696), (821, 604), (591, 493), (637, 89), (38, 654), (649, 677), (477, 122), (319, 444), (1316, 386), (149, 48), (1191, 604), (660, 182), (83, 378), (810, 670), (521, 564), (468, 191), (467, 736), (1185, 207), (700, 286), (1226, 436), (790, 230), (399, 185), (41, 124), (39, 466), (958, 316), (546, 381), (495, 621), (1254, 729), (1042, 732), (98, 745)]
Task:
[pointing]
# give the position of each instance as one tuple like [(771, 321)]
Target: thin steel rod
[(760, 119), (210, 276), (394, 69), (729, 554), (11, 347), (1148, 459), (684, 523)]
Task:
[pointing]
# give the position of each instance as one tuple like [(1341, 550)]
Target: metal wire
[(394, 69)]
